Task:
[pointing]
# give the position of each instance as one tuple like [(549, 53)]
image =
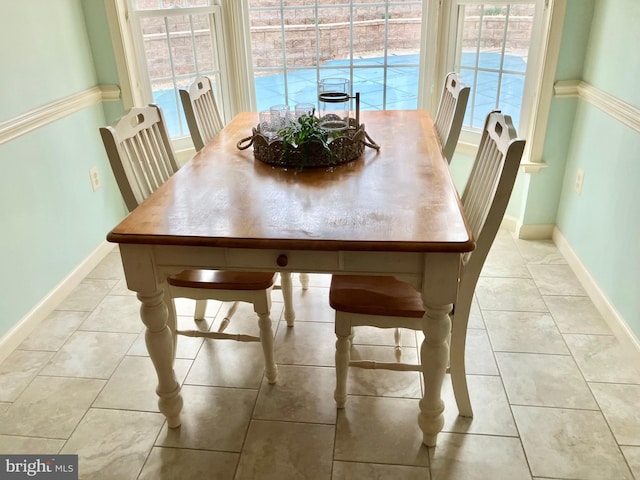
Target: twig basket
[(345, 146)]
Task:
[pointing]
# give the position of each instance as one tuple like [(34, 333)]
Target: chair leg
[(227, 318), (457, 341), (201, 307), (266, 340), (397, 340), (287, 295), (304, 281), (343, 356)]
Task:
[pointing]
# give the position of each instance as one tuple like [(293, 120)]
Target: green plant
[(306, 134)]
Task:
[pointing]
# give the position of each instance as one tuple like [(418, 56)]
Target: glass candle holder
[(280, 115), (333, 103)]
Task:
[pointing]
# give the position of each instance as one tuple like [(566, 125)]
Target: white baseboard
[(615, 321), (10, 341)]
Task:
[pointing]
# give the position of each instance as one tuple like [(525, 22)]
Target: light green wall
[(103, 58), (602, 224), (543, 189), (50, 218)]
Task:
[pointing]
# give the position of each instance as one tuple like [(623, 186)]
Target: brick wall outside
[(332, 35)]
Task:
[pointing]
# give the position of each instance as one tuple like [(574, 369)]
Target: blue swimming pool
[(401, 82)]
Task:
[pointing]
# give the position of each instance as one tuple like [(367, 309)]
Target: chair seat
[(375, 295), (223, 280)]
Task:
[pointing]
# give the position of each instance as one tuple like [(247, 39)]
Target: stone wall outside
[(332, 36)]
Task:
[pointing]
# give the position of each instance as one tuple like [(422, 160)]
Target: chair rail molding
[(612, 106), (41, 116)]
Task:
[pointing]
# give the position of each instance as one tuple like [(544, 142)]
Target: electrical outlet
[(95, 178), (579, 181)]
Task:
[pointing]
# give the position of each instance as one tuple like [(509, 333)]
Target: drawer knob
[(282, 260)]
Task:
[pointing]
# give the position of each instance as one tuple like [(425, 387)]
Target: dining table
[(393, 211)]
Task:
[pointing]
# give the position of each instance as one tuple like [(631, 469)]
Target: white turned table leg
[(287, 295), (266, 340), (160, 344), (439, 290), (434, 356)]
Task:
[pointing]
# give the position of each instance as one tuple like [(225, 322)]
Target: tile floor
[(554, 395)]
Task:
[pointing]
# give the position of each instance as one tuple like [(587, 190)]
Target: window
[(394, 52), (177, 40), (490, 50), (374, 44)]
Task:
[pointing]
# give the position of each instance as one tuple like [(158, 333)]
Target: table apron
[(165, 260)]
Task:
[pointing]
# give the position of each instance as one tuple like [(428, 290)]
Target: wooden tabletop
[(400, 198)]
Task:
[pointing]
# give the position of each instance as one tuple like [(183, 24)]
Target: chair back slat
[(450, 113), (489, 187), (201, 111), (140, 153)]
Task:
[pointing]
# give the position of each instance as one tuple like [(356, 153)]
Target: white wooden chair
[(142, 159), (450, 113), (201, 111), (386, 302)]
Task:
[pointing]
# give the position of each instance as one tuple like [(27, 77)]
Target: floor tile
[(491, 411), (381, 382), (90, 355), (54, 330), (187, 347), (115, 313), (383, 336), (227, 363), (602, 359), (132, 386), (380, 430), (544, 381), (479, 358), (17, 371), (278, 450), (307, 343), (212, 419), (569, 444), (576, 315), (377, 471), (524, 332), (13, 445), (178, 463), (87, 295), (504, 260), (477, 457), (511, 294), (312, 305), (50, 407), (302, 394), (556, 280), (620, 405), (475, 315), (632, 454), (110, 268), (120, 288), (113, 444), (540, 252)]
